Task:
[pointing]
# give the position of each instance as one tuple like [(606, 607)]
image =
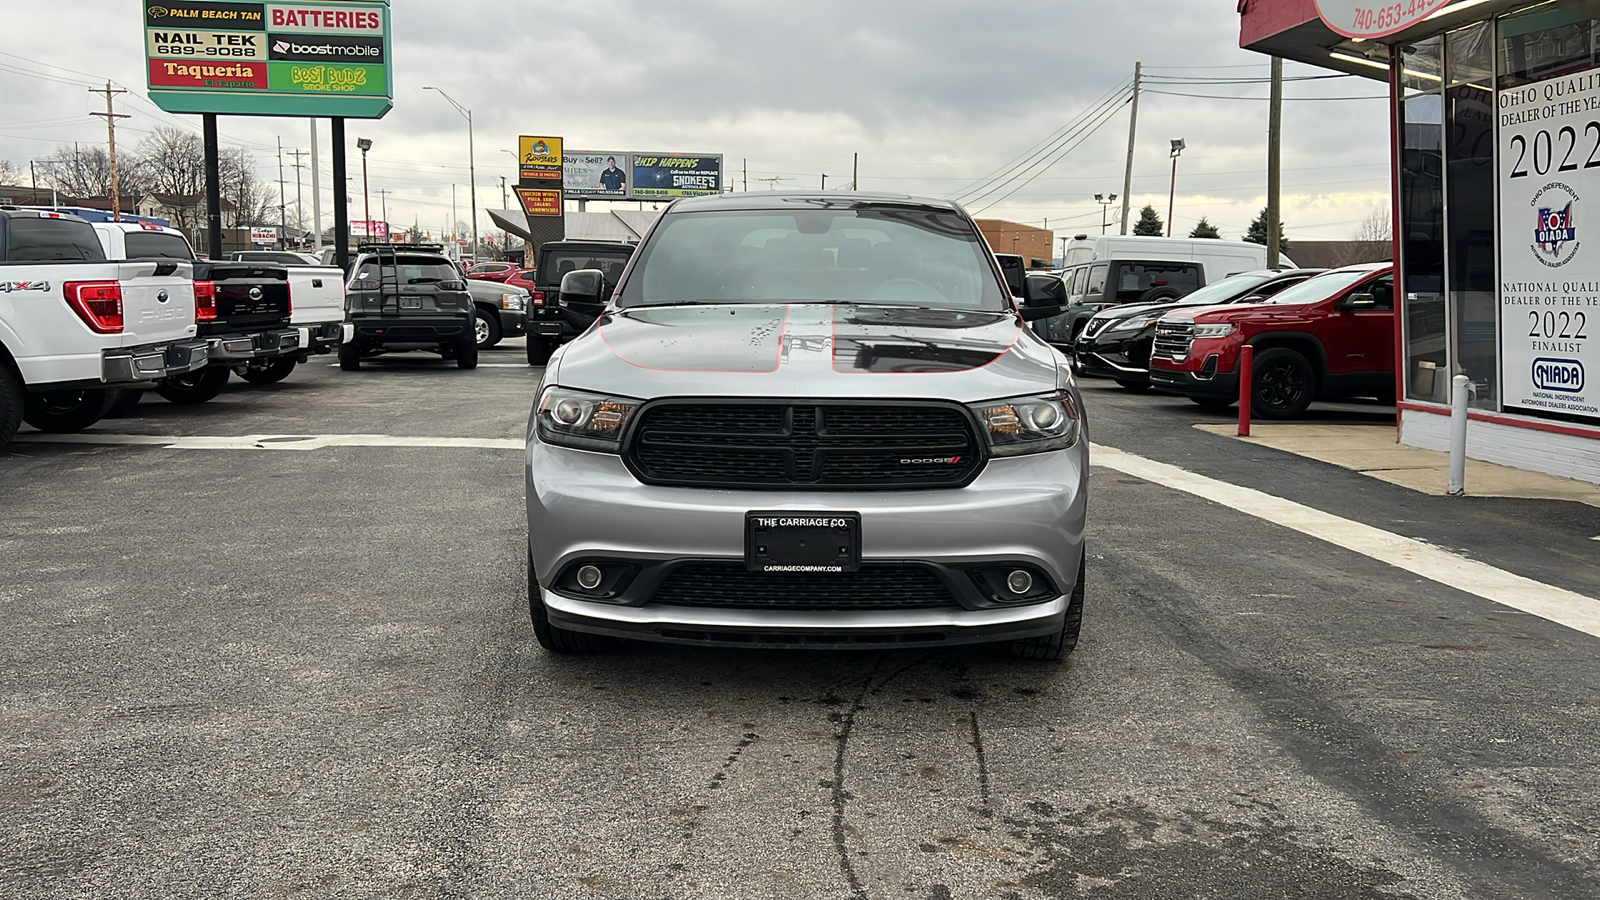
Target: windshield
[(889, 255), (1227, 289), (1319, 287)]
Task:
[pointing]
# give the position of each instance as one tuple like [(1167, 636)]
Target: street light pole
[(472, 172), (365, 144), (1172, 192), (1105, 201)]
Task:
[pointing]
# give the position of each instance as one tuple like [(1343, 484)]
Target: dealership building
[(1495, 140)]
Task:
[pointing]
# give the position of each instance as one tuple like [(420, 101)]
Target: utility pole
[(1133, 130), (824, 181), (746, 175), (299, 204), (283, 224), (1274, 172), (111, 117), (316, 191), (855, 170), (383, 201)]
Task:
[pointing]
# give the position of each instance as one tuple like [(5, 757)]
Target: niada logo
[(1565, 375), (1555, 234)]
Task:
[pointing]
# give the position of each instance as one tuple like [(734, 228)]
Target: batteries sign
[(285, 58)]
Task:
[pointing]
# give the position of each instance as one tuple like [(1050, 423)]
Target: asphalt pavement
[(284, 668)]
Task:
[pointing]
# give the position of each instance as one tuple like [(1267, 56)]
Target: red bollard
[(1246, 365)]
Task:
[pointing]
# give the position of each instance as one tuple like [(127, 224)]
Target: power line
[(1040, 159), (1045, 146), (1225, 97), (1090, 128)]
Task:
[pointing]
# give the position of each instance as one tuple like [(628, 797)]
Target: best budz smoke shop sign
[(292, 58), (1549, 160)]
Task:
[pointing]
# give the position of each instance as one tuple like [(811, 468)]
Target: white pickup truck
[(75, 327), (315, 299)]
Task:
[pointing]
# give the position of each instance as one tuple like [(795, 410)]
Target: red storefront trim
[(1592, 434)]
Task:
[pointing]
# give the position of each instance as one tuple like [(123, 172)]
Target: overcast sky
[(935, 95)]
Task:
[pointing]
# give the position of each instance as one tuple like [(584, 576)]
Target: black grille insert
[(804, 445), (732, 586)]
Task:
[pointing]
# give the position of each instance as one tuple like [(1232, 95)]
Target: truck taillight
[(288, 301), (205, 301), (97, 303), (538, 298)]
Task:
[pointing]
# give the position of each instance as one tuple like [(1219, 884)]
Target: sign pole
[(213, 187), (316, 188), (341, 207)]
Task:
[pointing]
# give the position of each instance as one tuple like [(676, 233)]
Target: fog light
[(1018, 582), (589, 577)]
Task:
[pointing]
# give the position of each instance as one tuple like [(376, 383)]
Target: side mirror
[(1359, 301), (1043, 296), (583, 295)]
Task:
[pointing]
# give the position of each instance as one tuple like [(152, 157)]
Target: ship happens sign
[(289, 58)]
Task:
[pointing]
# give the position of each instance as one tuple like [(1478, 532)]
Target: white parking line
[(270, 441), (1555, 604), (480, 365)]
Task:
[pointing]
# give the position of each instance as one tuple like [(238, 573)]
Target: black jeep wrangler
[(407, 297), (551, 322)]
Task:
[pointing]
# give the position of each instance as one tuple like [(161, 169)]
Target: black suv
[(552, 322), (1094, 286), (407, 297)]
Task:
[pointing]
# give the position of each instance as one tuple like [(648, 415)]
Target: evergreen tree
[(1149, 224), (1204, 229), (1257, 233)]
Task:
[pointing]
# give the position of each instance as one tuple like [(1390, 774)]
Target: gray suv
[(808, 420)]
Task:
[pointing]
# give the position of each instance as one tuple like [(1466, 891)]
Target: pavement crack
[(983, 765), (745, 741), (840, 796)]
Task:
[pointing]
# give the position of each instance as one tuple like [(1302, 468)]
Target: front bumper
[(1021, 511), (1125, 359), (1192, 384), (513, 322), (140, 364), (259, 345)]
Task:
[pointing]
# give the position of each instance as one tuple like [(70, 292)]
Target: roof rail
[(390, 245)]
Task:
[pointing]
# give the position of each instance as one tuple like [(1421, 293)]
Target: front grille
[(1173, 340), (1096, 326), (804, 445), (732, 586)]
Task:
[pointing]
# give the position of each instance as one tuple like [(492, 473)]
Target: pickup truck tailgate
[(318, 294), (157, 301), (248, 294)]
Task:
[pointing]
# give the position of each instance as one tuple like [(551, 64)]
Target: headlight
[(569, 418), (1213, 331), (511, 301), (1028, 424), (1134, 324)]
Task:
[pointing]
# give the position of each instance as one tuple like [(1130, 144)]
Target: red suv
[(491, 271), (1328, 337), (523, 278)]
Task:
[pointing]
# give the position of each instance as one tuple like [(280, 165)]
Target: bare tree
[(251, 198), (85, 171), (9, 173), (1376, 227), (175, 170), (1371, 241)]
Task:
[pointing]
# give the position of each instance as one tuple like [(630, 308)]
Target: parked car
[(1331, 336), (502, 311), (1092, 287), (1217, 258), (75, 327), (1116, 341), (525, 279), (284, 257), (245, 335), (752, 448), (491, 271), (407, 297), (550, 321)]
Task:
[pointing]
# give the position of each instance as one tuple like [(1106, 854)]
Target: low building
[(1497, 154), (1032, 244)]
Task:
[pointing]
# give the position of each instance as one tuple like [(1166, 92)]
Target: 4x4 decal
[(7, 287)]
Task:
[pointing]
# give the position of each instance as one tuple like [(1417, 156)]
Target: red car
[(491, 271), (523, 278), (1328, 337)]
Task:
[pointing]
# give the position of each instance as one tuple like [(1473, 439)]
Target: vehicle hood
[(808, 350), (1128, 312), (1235, 312)]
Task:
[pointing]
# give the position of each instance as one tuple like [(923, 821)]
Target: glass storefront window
[(1422, 238), (1470, 210)]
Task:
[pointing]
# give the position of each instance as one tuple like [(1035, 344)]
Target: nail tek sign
[(288, 58)]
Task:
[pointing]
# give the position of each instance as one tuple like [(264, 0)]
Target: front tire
[(486, 328), (1063, 642), (552, 637), (539, 350), (270, 372), (124, 403), (1282, 384), (349, 357), (11, 403), (193, 387), (63, 411)]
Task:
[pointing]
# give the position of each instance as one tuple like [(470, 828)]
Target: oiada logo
[(1555, 235), (1564, 375)]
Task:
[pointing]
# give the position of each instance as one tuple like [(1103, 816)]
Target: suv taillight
[(97, 303), (452, 285), (538, 298), (205, 301)]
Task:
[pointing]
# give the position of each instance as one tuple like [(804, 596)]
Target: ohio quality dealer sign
[(288, 58)]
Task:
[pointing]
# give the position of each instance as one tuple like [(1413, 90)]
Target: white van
[(1219, 258)]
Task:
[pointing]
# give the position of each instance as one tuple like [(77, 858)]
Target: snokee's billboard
[(1368, 19)]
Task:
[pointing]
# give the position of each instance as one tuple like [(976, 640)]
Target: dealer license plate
[(789, 541), (410, 302)]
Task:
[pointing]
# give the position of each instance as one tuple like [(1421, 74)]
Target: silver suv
[(808, 420)]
